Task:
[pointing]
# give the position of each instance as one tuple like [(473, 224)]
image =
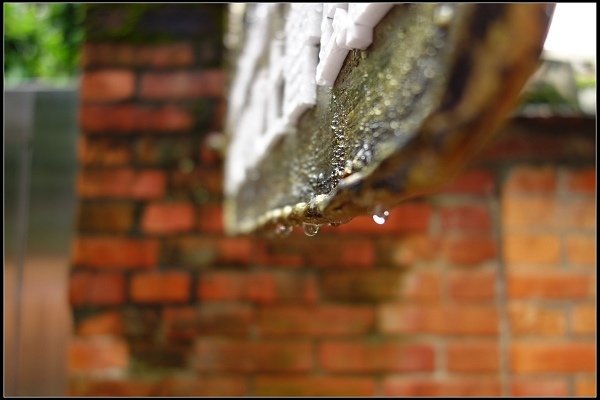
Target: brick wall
[(487, 288)]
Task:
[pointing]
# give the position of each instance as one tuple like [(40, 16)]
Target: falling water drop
[(310, 229), (283, 230), (380, 215)]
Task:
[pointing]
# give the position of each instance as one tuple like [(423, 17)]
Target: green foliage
[(42, 41)]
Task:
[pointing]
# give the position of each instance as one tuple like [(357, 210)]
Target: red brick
[(107, 85), (234, 250), (528, 180), (579, 213), (168, 218), (335, 253), (583, 181), (121, 183), (187, 323), (104, 152), (533, 319), (314, 386), (105, 217), (106, 323), (460, 387), (327, 320), (583, 319), (471, 356), (202, 183), (380, 284), (466, 218), (585, 386), (552, 357), (124, 118), (210, 218), (156, 55), (529, 212), (215, 355), (472, 285), (98, 355), (473, 182), (531, 249), (469, 249), (183, 84), (115, 252), (110, 388), (96, 289), (549, 285), (257, 287), (356, 356), (581, 250), (216, 386), (539, 387), (160, 287), (409, 250), (163, 151), (408, 217), (445, 319)]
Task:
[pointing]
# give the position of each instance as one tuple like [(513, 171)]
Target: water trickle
[(380, 215), (310, 229), (283, 230)]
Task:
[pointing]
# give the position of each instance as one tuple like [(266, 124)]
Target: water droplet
[(380, 215), (310, 229), (283, 230)]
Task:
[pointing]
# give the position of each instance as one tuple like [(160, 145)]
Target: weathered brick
[(529, 212), (121, 183), (472, 285), (582, 181), (471, 356), (210, 218), (469, 249), (257, 287), (183, 84), (97, 355), (105, 217), (472, 182), (107, 85), (202, 184), (549, 285), (579, 213), (552, 357), (328, 320), (466, 218), (528, 180), (123, 118), (115, 252), (314, 386), (444, 319), (539, 387), (527, 249), (105, 152), (105, 323), (461, 387), (585, 386), (358, 356), (125, 55), (168, 218), (334, 253), (380, 284), (234, 250), (215, 355), (217, 386), (96, 289), (534, 319), (160, 287), (187, 323), (161, 151), (583, 319), (110, 387), (581, 249), (409, 250)]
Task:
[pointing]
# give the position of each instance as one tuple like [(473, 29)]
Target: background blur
[(119, 280)]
